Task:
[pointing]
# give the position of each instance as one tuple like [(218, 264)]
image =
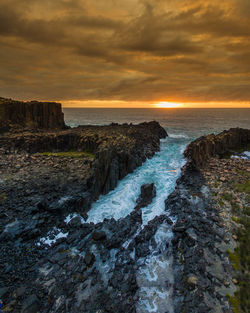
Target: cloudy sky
[(128, 52)]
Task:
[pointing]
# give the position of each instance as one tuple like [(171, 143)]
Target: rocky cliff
[(203, 148), (46, 175), (34, 114), (114, 151), (210, 195)]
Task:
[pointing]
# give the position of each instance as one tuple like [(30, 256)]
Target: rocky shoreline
[(50, 263), (204, 202), (39, 187), (39, 170)]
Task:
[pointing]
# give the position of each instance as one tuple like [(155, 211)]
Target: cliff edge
[(202, 149), (33, 114)]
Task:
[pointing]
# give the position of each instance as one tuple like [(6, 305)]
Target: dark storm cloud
[(134, 50)]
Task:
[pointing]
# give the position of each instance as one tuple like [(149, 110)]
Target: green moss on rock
[(69, 154)]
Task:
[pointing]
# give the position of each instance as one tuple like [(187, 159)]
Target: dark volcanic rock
[(87, 269), (148, 192), (203, 148), (203, 275), (98, 235), (89, 258), (54, 184), (32, 114), (30, 305)]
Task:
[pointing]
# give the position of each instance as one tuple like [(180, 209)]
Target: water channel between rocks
[(154, 275)]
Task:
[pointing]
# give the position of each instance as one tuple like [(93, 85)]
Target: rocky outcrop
[(203, 148), (86, 268), (148, 192), (116, 150), (204, 277), (33, 114)]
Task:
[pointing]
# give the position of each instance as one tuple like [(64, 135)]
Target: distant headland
[(32, 114)]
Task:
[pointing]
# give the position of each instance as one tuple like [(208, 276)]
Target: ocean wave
[(178, 136)]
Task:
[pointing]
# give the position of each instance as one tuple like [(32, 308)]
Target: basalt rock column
[(34, 114)]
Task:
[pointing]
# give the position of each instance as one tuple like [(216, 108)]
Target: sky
[(126, 53)]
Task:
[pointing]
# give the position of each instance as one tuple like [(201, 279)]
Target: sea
[(182, 126), (190, 122)]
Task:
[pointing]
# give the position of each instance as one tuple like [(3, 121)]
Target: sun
[(165, 104)]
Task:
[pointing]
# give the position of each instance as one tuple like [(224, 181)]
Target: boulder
[(148, 192), (98, 235), (30, 305), (89, 259)]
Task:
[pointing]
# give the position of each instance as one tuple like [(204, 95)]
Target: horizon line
[(157, 108)]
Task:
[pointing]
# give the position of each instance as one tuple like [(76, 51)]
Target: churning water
[(154, 276), (162, 170)]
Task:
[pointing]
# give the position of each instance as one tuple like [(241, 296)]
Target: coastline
[(209, 197), (40, 187), (49, 264)]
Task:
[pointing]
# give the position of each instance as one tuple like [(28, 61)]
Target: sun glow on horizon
[(148, 104), (167, 105)]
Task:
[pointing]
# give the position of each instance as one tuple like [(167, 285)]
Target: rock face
[(86, 268), (203, 148), (148, 192), (115, 151), (202, 232), (32, 114)]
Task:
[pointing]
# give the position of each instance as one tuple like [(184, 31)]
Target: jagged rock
[(30, 305), (89, 259), (42, 185), (148, 192), (3, 292), (19, 292), (98, 235), (75, 222), (203, 148)]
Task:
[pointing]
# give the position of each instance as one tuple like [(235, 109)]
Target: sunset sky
[(126, 53)]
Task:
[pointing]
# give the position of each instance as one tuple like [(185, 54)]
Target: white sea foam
[(73, 215), (52, 237), (245, 156), (247, 153), (177, 135), (163, 170), (155, 277)]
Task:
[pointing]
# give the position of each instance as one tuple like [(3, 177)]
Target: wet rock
[(98, 235), (3, 292), (148, 192), (19, 292), (75, 222), (42, 186), (89, 259), (42, 205), (31, 305)]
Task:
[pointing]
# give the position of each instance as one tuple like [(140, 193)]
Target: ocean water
[(190, 122), (155, 274)]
